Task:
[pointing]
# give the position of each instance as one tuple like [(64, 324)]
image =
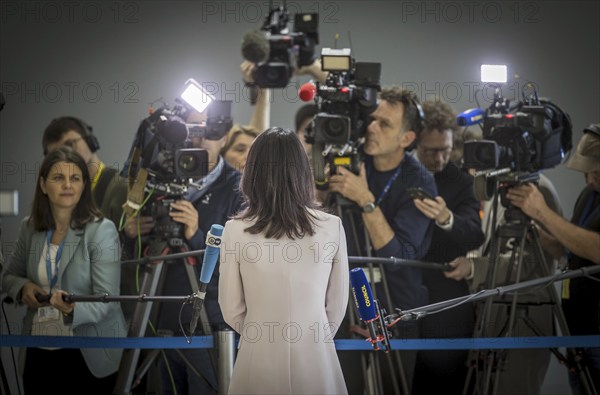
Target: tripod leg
[(204, 323), (139, 324), (577, 364)]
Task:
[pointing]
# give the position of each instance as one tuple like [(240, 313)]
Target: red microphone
[(307, 91)]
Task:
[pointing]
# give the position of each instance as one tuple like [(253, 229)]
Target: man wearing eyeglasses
[(457, 231)]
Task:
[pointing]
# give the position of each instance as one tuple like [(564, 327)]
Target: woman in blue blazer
[(66, 247)]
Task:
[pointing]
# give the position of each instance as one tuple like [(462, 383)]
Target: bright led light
[(195, 96), (494, 73)]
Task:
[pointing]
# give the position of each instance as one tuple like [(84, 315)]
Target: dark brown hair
[(85, 211), (278, 186), (411, 117), (439, 116), (59, 127)]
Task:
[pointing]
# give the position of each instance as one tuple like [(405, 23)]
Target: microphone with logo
[(369, 311), (211, 255)]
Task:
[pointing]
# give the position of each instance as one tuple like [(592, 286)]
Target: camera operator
[(395, 227), (457, 231), (525, 369), (581, 238), (213, 204)]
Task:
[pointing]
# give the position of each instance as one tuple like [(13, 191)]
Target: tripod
[(370, 363), (487, 366), (154, 275)]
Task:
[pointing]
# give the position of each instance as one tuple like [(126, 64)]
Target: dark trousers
[(59, 371), (175, 373)]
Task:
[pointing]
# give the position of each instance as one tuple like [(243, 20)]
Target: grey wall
[(104, 61)]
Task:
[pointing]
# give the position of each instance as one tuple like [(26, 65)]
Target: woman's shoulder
[(101, 225), (237, 223), (323, 216)]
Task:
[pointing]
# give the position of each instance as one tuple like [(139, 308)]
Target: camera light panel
[(494, 73), (196, 96), (336, 59)]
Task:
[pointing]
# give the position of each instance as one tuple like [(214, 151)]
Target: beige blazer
[(286, 298)]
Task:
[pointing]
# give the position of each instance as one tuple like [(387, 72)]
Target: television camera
[(277, 51), (163, 160), (519, 140), (345, 101)]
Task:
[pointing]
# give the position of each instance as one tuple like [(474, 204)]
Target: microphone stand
[(421, 312), (149, 259), (399, 261), (351, 259)]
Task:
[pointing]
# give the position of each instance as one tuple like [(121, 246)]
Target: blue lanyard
[(52, 279), (387, 187)]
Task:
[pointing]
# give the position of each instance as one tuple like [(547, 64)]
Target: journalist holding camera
[(373, 195), (580, 237), (191, 188)]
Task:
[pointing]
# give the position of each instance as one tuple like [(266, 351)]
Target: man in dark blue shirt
[(386, 212)]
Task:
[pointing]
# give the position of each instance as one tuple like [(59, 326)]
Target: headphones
[(91, 140), (593, 128), (420, 124)]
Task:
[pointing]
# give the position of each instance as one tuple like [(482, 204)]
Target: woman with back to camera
[(66, 247), (283, 276)]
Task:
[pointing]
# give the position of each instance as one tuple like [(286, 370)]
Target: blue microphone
[(470, 117), (211, 255), (368, 309)]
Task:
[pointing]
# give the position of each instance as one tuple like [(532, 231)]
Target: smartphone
[(419, 193)]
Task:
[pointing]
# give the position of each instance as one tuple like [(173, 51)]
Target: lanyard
[(52, 279), (387, 187), (97, 176)]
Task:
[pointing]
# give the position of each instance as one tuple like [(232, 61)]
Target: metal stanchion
[(226, 346)]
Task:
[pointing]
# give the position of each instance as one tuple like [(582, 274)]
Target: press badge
[(48, 313)]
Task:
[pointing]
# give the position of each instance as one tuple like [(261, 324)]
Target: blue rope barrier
[(341, 344)]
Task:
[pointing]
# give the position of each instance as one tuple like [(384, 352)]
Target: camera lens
[(335, 127), (188, 162)]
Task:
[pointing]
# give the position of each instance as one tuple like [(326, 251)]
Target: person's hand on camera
[(185, 213), (351, 186), (529, 199), (138, 225), (434, 209), (314, 70), (28, 293), (463, 268), (247, 67)]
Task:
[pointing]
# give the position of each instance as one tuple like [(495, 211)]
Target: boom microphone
[(368, 309), (211, 254), (255, 46), (307, 91), (470, 117)]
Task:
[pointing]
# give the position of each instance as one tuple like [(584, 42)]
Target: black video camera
[(518, 141), (532, 135), (345, 103), (287, 50), (163, 158)]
